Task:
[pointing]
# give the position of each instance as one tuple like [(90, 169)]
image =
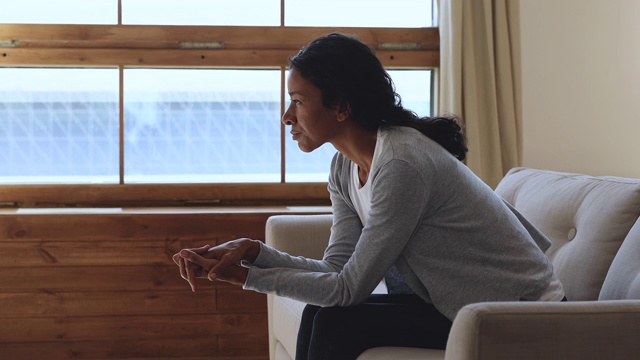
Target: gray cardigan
[(454, 241)]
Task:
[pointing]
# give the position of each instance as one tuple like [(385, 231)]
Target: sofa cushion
[(404, 353), (623, 279), (585, 217)]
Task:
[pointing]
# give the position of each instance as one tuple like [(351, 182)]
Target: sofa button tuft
[(571, 234)]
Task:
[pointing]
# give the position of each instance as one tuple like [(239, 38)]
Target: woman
[(405, 209)]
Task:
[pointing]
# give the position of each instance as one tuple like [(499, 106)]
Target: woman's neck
[(358, 145)]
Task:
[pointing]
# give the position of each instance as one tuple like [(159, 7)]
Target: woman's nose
[(287, 117)]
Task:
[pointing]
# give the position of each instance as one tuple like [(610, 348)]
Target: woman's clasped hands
[(222, 262)]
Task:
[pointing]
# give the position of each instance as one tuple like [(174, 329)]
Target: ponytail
[(445, 130)]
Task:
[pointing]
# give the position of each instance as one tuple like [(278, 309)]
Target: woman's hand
[(222, 262), (230, 256)]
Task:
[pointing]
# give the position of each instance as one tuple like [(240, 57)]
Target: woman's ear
[(343, 112)]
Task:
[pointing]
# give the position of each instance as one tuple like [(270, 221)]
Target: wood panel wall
[(103, 286)]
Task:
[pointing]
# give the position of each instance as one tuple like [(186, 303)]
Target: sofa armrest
[(543, 330), (300, 235)]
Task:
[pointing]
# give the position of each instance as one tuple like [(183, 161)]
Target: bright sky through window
[(59, 11), (351, 13)]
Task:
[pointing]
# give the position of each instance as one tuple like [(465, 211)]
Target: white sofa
[(593, 224)]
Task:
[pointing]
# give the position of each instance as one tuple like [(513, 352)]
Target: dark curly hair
[(349, 75)]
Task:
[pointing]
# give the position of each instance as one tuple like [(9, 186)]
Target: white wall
[(581, 85)]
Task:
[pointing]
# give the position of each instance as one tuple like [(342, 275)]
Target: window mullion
[(121, 123), (282, 128)]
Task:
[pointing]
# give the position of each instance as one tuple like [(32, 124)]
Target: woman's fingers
[(201, 250), (191, 275), (193, 257), (222, 266), (182, 267), (196, 265), (191, 262)]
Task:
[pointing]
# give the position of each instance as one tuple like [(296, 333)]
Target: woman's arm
[(361, 257)]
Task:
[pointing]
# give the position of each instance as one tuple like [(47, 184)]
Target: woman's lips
[(295, 134)]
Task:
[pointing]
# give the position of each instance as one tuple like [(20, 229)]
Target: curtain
[(480, 80)]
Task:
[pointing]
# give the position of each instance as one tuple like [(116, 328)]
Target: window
[(201, 12), (150, 102), (59, 12), (59, 125), (359, 13), (201, 125)]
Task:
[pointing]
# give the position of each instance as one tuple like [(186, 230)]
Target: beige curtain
[(480, 80)]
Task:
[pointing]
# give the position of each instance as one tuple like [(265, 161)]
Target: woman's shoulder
[(403, 142)]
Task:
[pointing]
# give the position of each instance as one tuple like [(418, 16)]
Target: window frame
[(158, 46)]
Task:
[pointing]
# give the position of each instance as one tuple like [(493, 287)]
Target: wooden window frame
[(151, 46)]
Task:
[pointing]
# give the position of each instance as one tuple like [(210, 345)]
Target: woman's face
[(312, 124)]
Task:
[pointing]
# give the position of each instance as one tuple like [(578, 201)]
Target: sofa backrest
[(586, 218)]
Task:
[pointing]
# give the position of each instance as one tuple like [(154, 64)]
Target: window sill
[(169, 210)]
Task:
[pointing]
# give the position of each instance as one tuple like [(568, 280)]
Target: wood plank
[(208, 300), (145, 57), (167, 227), (96, 253), (423, 59), (188, 58), (234, 37), (101, 303), (154, 277), (112, 349), (83, 328), (263, 357), (242, 346), (236, 300)]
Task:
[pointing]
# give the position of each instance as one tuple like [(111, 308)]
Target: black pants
[(338, 333)]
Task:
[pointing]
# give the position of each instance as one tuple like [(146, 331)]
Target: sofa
[(595, 232)]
